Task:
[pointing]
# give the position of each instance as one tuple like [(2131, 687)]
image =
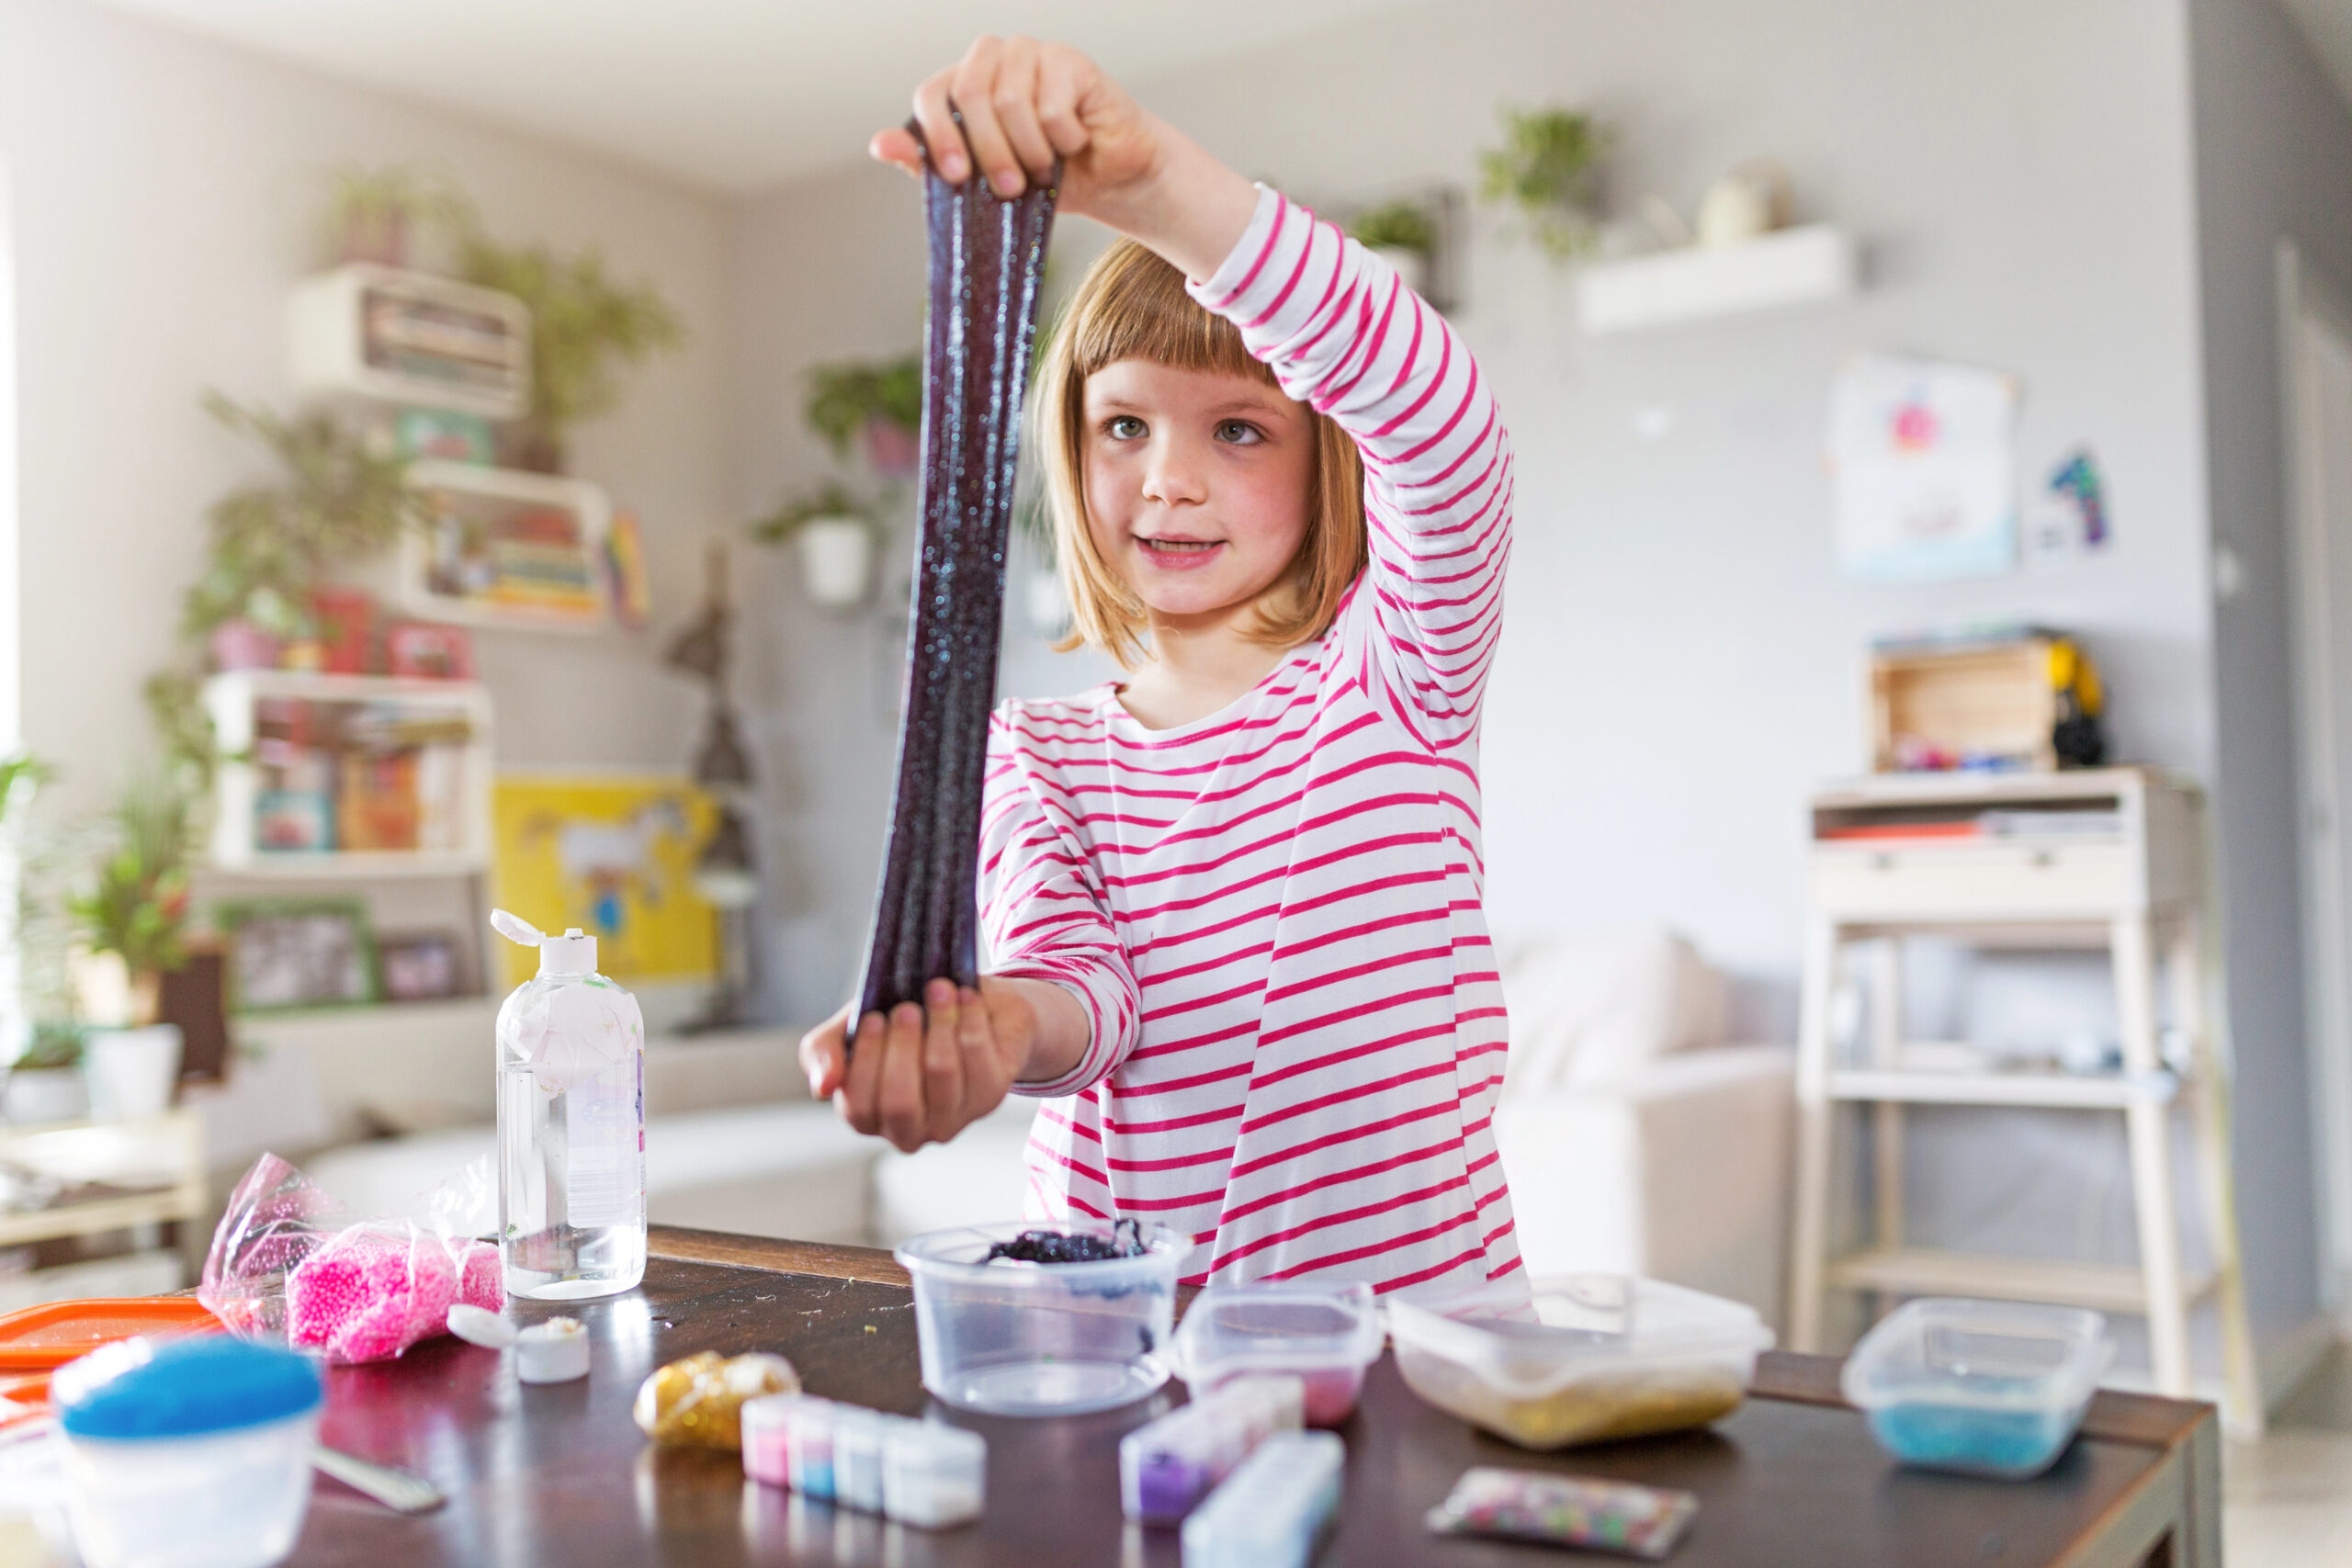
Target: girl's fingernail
[(1007, 182)]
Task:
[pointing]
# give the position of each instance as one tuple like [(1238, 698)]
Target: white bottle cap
[(570, 953), (552, 1351)]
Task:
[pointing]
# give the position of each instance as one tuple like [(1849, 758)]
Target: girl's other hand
[(1025, 105), (924, 1074)]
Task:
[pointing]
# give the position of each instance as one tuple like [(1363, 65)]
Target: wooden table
[(559, 1476)]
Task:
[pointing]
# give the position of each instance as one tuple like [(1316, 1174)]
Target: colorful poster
[(1923, 467), (612, 855)]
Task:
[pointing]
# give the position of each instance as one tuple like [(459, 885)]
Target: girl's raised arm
[(1343, 333)]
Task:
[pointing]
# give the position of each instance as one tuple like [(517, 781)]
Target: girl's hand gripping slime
[(932, 1050)]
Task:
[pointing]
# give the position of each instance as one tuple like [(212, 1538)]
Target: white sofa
[(1635, 1140)]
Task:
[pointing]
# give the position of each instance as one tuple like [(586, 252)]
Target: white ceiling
[(2328, 24), (731, 95)]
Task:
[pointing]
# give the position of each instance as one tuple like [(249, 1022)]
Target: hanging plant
[(586, 325), (136, 908), (1548, 167), (268, 546), (834, 534)]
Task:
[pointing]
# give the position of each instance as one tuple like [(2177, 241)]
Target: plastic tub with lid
[(1012, 1337), (188, 1454), (1323, 1335), (1578, 1358), (1985, 1388)]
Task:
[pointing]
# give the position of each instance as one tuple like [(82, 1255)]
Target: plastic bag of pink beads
[(290, 1265)]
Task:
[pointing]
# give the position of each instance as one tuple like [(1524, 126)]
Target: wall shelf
[(501, 547), (289, 741), (410, 337), (1793, 266)]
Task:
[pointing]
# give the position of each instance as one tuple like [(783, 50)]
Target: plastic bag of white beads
[(289, 1264)]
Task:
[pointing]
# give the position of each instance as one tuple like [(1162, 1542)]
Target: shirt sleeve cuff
[(1091, 1064)]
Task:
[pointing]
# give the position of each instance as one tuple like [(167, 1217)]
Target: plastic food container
[(188, 1454), (1323, 1335), (1016, 1338), (1578, 1358), (1988, 1388), (1273, 1511)]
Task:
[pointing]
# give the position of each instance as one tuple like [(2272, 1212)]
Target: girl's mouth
[(1179, 554)]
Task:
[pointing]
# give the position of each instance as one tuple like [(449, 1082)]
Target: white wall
[(165, 195), (2273, 160)]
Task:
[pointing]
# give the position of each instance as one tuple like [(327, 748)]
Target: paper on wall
[(1923, 470)]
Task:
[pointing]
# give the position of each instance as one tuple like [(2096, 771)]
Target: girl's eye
[(1123, 427), (1239, 433)]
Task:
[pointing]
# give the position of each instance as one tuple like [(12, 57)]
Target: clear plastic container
[(1167, 1466), (1015, 1338), (1274, 1510), (1324, 1334), (1578, 1358), (190, 1453), (1987, 1388)]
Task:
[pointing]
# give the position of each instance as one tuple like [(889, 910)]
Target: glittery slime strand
[(987, 259)]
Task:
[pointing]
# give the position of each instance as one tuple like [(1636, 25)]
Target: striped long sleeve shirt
[(1274, 916)]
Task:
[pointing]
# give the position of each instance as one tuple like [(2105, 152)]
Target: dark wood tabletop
[(559, 1475)]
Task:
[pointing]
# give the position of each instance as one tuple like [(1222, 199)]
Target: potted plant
[(374, 213), (1548, 167), (132, 918), (585, 326), (1403, 234), (45, 1083), (880, 401), (833, 533)]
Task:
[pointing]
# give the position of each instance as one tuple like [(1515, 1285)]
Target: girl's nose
[(1172, 477)]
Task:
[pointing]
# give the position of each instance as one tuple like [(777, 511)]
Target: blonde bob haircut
[(1132, 305)]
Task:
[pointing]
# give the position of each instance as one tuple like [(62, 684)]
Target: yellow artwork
[(612, 855)]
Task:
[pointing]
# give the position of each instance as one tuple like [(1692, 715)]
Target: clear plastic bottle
[(570, 1125)]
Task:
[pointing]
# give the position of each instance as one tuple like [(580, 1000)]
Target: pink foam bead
[(481, 1283), (368, 1295)]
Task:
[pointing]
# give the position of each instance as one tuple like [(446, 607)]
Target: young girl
[(1235, 900)]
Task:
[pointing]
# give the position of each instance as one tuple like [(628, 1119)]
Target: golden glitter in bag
[(698, 1402)]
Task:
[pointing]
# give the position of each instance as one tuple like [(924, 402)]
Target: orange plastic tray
[(39, 1338)]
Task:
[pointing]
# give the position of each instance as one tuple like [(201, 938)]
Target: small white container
[(1273, 1511), (188, 1454), (859, 1437), (1323, 1335), (933, 1476), (1578, 1358), (1021, 1338), (1984, 1388)]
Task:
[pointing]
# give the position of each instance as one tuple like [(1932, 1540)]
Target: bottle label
[(605, 1145)]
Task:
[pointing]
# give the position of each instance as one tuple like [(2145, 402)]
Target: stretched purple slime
[(988, 259)]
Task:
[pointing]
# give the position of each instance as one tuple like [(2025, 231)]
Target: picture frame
[(419, 966), (296, 954)]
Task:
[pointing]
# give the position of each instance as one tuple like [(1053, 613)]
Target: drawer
[(1979, 880)]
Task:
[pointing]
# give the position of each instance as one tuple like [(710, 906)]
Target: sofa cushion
[(1590, 1009)]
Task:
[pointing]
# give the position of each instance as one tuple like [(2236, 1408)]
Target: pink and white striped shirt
[(1274, 916)]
